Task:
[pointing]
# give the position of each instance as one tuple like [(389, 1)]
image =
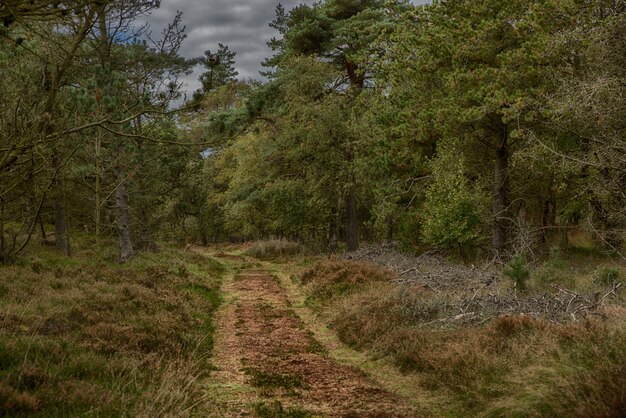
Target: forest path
[(269, 362)]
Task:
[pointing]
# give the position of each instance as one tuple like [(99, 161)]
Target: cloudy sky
[(243, 25)]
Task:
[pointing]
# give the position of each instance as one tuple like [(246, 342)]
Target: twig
[(618, 252), (570, 302), (612, 291), (474, 297)]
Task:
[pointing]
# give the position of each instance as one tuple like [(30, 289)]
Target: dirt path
[(270, 365)]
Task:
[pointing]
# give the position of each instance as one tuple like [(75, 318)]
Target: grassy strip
[(512, 366), (86, 335)]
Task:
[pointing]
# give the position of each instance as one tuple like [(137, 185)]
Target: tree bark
[(61, 227), (352, 225), (42, 228), (3, 254), (62, 241), (390, 229), (548, 217), (123, 220), (500, 194)]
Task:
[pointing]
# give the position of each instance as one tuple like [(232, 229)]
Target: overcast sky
[(243, 25)]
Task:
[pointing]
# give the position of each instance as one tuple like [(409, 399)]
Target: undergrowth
[(511, 366), (85, 335), (334, 278)]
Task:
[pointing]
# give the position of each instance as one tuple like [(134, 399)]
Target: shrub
[(554, 271), (517, 270)]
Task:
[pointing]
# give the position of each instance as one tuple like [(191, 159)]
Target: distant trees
[(492, 126), (457, 124)]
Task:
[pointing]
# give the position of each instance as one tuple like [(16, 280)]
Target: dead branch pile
[(462, 294)]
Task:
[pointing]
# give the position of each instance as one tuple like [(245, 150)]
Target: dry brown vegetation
[(506, 365), (86, 335), (272, 249), (335, 277)]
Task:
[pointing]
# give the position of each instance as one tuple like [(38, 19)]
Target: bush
[(517, 270), (554, 271)]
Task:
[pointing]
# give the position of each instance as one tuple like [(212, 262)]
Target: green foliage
[(517, 270), (408, 122), (554, 271), (220, 68), (453, 216)]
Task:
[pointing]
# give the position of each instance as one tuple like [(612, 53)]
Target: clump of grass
[(16, 402), (270, 380), (333, 278), (607, 276), (582, 374), (272, 249), (554, 271), (276, 410)]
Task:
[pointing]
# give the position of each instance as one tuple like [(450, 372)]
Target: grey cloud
[(243, 25)]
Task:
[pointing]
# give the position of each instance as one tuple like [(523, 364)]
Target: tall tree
[(340, 33), (480, 69), (220, 68)]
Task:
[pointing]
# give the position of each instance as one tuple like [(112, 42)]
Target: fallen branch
[(612, 291), (408, 271)]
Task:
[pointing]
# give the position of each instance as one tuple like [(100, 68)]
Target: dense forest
[(414, 210), (495, 127)]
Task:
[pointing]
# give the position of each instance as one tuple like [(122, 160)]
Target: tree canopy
[(493, 127)]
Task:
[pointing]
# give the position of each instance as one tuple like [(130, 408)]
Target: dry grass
[(332, 278), (511, 366), (272, 249), (85, 335)]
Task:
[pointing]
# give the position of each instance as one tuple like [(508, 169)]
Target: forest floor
[(274, 359), (262, 330)]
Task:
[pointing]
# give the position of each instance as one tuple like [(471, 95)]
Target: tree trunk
[(3, 256), (61, 227), (43, 229), (123, 220), (145, 240), (62, 241), (352, 225), (548, 217), (389, 229), (500, 194), (97, 209)]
